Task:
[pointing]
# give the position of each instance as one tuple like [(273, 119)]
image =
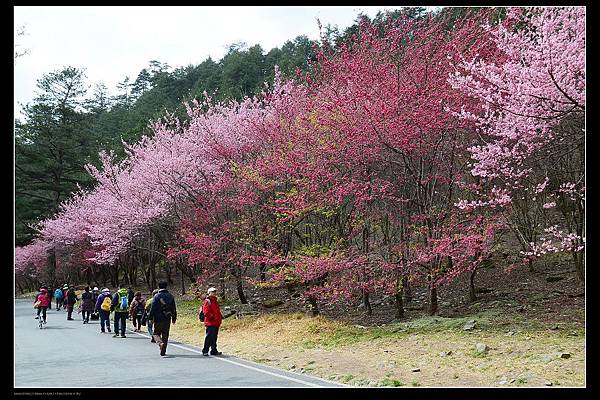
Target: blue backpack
[(58, 294), (123, 302)]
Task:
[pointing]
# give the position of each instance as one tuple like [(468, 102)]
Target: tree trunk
[(182, 282), (399, 302), (153, 276), (472, 294), (263, 268), (222, 283), (406, 288), (312, 305), (367, 303), (168, 271), (530, 264), (578, 257), (240, 290), (433, 301), (116, 274)]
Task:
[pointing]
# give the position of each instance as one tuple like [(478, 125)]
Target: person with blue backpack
[(120, 305), (58, 295)]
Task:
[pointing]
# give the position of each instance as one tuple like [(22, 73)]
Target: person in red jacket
[(43, 301), (212, 322)]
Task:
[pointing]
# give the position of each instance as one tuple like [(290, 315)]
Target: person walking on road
[(136, 311), (162, 312), (50, 295), (103, 306), (95, 294), (120, 305), (147, 312), (70, 300), (65, 289), (58, 295), (41, 302), (130, 296), (212, 322), (87, 304)]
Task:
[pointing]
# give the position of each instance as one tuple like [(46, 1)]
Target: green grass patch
[(391, 382)]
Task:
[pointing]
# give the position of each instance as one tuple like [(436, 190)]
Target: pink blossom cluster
[(556, 241)]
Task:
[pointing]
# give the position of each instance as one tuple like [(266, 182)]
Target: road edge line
[(247, 366)]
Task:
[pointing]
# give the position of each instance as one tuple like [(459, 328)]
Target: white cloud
[(114, 42)]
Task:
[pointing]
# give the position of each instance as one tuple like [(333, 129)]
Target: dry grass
[(386, 356)]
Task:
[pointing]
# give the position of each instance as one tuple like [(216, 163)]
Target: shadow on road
[(57, 327), (184, 356)]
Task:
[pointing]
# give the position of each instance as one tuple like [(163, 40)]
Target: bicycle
[(41, 321)]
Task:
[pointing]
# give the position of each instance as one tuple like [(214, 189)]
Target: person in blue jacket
[(58, 295)]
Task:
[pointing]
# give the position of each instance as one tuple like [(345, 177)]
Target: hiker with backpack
[(210, 314), (50, 295), (103, 305), (162, 312), (130, 296), (87, 304), (58, 295), (136, 311), (69, 301), (41, 302), (120, 305), (145, 319), (95, 294)]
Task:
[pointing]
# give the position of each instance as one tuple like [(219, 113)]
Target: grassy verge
[(429, 351)]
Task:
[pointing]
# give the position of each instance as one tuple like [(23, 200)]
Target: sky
[(112, 43)]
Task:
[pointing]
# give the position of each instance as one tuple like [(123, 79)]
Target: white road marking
[(240, 364)]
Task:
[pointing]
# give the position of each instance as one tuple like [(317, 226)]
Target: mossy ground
[(521, 352)]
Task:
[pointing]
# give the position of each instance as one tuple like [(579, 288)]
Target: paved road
[(69, 354)]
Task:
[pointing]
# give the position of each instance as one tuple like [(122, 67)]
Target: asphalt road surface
[(69, 354)]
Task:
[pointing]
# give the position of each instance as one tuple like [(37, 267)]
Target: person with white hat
[(212, 322), (95, 294), (103, 304)]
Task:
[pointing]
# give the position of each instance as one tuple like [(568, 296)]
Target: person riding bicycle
[(41, 302)]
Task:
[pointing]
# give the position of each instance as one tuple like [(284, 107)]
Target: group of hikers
[(157, 313)]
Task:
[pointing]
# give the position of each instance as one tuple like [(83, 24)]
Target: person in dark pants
[(162, 312), (58, 295), (43, 302), (136, 311), (130, 296), (50, 294), (87, 304), (120, 305), (70, 300), (212, 322), (147, 311), (65, 289), (103, 309)]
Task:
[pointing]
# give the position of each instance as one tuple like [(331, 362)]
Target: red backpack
[(44, 299)]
